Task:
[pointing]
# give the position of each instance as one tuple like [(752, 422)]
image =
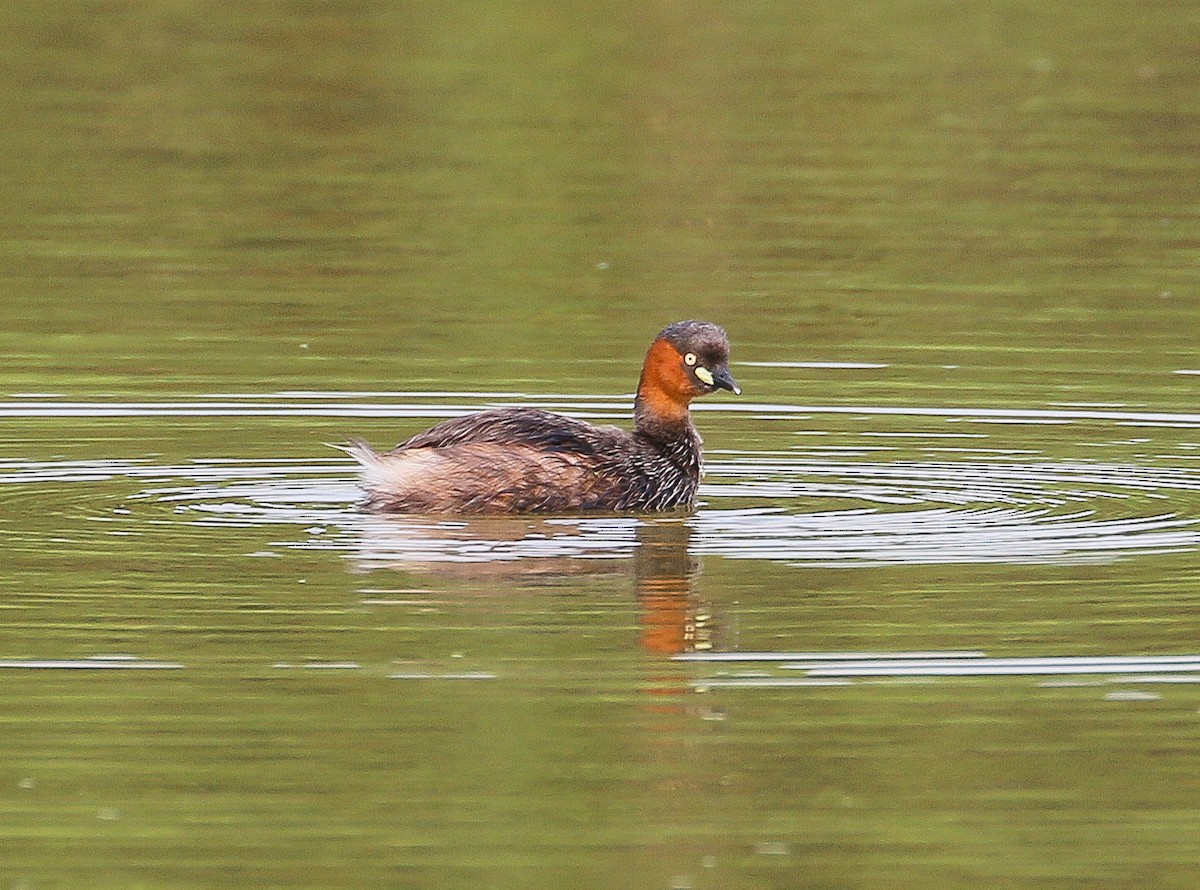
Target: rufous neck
[(663, 394)]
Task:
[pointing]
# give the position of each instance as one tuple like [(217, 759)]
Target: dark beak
[(722, 379)]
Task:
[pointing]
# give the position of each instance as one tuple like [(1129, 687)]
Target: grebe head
[(686, 360), (704, 349)]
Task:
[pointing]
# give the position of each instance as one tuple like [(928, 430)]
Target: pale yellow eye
[(690, 359)]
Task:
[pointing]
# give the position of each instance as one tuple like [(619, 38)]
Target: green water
[(236, 232)]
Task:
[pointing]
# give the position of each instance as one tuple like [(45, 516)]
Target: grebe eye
[(689, 359)]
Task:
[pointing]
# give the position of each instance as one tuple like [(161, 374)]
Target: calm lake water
[(934, 622)]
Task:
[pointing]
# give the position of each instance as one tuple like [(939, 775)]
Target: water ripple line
[(845, 668), (328, 405)]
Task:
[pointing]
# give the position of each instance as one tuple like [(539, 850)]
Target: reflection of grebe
[(524, 460), (526, 554), (673, 620)]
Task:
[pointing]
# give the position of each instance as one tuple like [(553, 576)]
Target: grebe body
[(525, 460)]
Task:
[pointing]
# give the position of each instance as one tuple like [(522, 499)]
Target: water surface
[(932, 623)]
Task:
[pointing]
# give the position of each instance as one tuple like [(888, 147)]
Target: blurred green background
[(194, 190)]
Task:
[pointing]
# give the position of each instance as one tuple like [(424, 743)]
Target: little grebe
[(525, 460)]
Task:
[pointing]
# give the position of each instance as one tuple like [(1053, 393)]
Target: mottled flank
[(525, 460)]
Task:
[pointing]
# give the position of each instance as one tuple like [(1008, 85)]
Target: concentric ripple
[(860, 502), (1021, 520), (907, 520)]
